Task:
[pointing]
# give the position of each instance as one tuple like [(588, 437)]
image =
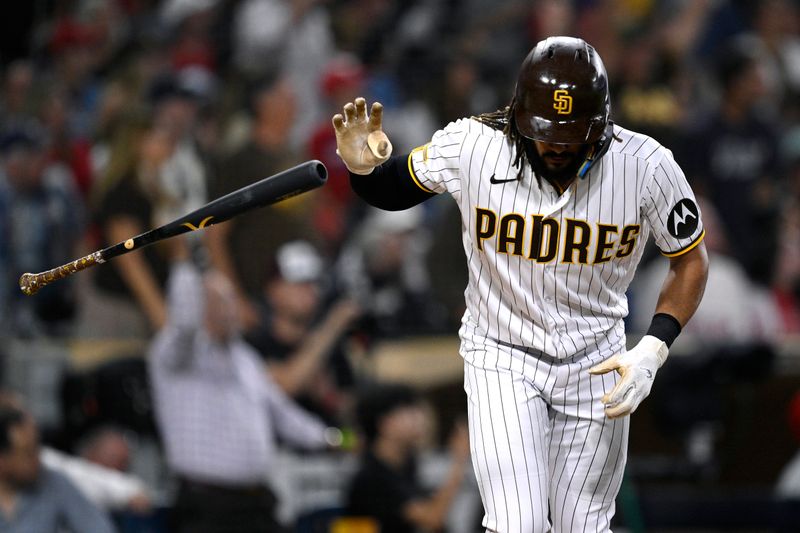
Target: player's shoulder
[(638, 145), (468, 127)]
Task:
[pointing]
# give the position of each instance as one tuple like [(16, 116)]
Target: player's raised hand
[(360, 141), (637, 368)]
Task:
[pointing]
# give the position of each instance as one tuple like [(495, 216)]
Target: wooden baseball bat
[(270, 190)]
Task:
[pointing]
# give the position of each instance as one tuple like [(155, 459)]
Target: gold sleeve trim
[(688, 248), (411, 168)]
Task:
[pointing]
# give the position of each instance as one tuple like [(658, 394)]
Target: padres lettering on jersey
[(543, 240), (571, 255)]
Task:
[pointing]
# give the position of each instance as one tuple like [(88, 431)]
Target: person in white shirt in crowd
[(110, 489), (35, 498), (107, 488), (219, 410)]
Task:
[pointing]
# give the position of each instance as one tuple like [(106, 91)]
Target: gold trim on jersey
[(424, 150), (687, 249)]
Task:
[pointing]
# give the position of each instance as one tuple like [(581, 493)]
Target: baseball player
[(556, 203)]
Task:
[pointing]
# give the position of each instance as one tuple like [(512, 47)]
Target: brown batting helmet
[(562, 93)]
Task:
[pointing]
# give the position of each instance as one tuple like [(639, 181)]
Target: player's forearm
[(390, 186), (684, 285)]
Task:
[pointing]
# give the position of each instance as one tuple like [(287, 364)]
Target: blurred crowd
[(117, 116)]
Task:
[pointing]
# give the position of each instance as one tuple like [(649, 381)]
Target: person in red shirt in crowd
[(335, 215)]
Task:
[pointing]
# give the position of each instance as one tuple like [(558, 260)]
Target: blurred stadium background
[(200, 96)]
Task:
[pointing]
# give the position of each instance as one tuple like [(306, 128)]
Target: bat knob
[(28, 283)]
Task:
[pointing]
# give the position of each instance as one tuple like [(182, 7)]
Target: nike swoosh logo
[(494, 180)]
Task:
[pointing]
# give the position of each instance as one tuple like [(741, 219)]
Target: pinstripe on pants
[(541, 445)]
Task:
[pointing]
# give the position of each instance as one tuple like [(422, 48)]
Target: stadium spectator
[(386, 486), (726, 315), (289, 36), (239, 248), (109, 489), (383, 268), (83, 67), (61, 145), (734, 161), (16, 104), (34, 497), (301, 339), (181, 178), (41, 223), (728, 339), (190, 25), (107, 447), (337, 212), (775, 23), (219, 410), (129, 300), (786, 286)]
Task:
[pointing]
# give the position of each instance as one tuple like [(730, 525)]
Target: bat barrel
[(318, 170), (272, 189)]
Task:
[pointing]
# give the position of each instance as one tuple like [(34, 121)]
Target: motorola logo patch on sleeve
[(683, 219)]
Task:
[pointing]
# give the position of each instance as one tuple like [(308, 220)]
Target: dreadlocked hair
[(503, 120)]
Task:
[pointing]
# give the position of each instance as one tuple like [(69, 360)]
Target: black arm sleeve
[(390, 186)]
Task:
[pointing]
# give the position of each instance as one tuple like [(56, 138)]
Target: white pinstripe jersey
[(550, 271)]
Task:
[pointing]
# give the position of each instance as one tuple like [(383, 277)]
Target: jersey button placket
[(544, 301), (547, 290), (555, 329)]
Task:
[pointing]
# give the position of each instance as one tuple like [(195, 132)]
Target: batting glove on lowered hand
[(360, 141), (638, 367)]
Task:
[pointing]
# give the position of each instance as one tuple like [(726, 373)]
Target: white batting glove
[(638, 367), (360, 141)]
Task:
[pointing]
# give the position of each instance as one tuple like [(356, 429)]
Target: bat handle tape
[(30, 283)]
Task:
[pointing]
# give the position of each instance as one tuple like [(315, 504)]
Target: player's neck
[(561, 184)]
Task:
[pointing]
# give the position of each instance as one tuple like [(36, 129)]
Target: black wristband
[(665, 327)]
